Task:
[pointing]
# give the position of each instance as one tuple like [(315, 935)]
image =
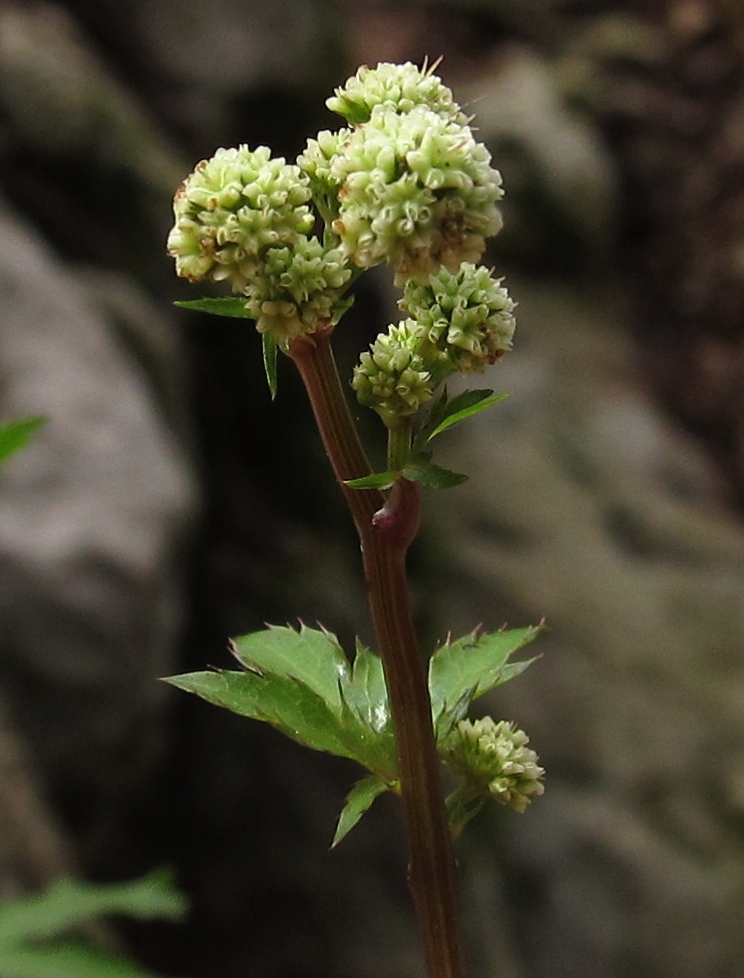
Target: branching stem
[(386, 529)]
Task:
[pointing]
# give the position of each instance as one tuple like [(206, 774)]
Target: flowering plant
[(405, 183)]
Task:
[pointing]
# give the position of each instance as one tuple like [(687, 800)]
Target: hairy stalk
[(386, 530)]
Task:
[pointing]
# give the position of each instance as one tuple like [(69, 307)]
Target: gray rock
[(587, 507), (94, 515)]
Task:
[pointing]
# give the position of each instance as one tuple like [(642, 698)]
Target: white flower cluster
[(494, 759)]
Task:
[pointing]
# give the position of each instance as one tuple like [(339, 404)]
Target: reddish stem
[(386, 529)]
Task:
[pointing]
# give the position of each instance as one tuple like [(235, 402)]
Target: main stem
[(386, 529)]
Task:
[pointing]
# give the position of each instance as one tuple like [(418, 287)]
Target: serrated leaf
[(231, 306), (358, 802), (269, 347), (366, 692), (14, 435), (471, 666), (432, 476), (464, 406), (281, 701), (68, 903), (380, 480), (367, 718), (309, 655)]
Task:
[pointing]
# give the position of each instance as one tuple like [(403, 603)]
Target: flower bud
[(397, 87)]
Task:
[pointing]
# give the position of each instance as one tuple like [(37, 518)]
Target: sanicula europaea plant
[(404, 182)]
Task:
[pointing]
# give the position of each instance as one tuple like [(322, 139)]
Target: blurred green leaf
[(380, 480), (67, 960), (430, 475), (14, 435), (32, 941), (68, 903)]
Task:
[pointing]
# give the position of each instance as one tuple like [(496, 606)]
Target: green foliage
[(14, 435), (37, 934), (231, 306), (445, 414), (463, 670), (301, 682)]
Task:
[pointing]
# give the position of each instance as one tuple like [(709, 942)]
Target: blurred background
[(160, 509)]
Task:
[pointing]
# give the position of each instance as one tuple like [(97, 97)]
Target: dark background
[(168, 505)]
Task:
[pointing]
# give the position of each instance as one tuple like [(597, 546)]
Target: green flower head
[(392, 377), (416, 190), (297, 290), (233, 207), (467, 314), (397, 87), (493, 759)]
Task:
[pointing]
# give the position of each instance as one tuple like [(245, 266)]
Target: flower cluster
[(231, 209), (298, 290), (406, 182), (468, 314), (459, 322), (393, 377), (493, 759), (413, 189), (397, 87)]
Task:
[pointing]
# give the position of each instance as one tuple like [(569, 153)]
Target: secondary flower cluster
[(243, 217), (494, 759), (457, 323)]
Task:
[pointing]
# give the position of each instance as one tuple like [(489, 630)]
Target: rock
[(94, 517), (586, 506)]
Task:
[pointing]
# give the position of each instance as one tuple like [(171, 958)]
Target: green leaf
[(467, 668), (269, 346), (366, 692), (311, 656), (14, 435), (380, 480), (301, 683), (358, 802), (232, 306), (430, 475), (66, 960), (367, 718), (464, 406), (69, 903), (281, 701), (437, 413)]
